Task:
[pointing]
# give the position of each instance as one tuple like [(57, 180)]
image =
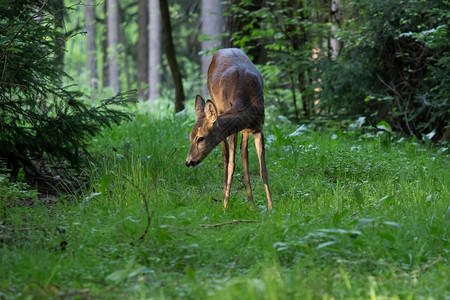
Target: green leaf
[(104, 183), (340, 231), (358, 195), (387, 236), (390, 223), (190, 273), (280, 138), (117, 276), (21, 175), (363, 222), (337, 217), (326, 244), (429, 136), (383, 125), (385, 201), (131, 270)]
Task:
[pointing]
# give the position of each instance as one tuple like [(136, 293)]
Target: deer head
[(203, 137)]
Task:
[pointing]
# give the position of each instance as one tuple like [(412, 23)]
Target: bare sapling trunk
[(171, 57)]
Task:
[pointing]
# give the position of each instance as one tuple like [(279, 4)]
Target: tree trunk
[(142, 48), (302, 89), (212, 28), (299, 40), (335, 18), (171, 57), (154, 76), (113, 45), (105, 69), (91, 47), (124, 53)]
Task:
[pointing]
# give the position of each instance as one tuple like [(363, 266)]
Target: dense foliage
[(395, 65), (43, 123), (290, 33), (392, 65)]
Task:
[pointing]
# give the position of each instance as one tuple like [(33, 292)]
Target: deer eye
[(200, 139)]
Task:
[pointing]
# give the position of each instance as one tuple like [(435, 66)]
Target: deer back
[(236, 87)]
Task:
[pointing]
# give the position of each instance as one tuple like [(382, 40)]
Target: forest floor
[(357, 215)]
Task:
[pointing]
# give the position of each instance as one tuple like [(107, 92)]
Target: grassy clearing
[(354, 218)]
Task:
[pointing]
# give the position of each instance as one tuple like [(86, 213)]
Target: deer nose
[(190, 163)]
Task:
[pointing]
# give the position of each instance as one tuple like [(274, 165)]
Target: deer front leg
[(244, 156), (259, 143), (230, 170), (225, 158)]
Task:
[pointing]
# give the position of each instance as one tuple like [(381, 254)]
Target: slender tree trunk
[(124, 55), (105, 69), (299, 41), (212, 28), (302, 89), (335, 18), (127, 70), (154, 76), (113, 45), (91, 47), (294, 98), (142, 48), (171, 57)]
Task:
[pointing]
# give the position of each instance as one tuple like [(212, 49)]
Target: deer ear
[(199, 106), (211, 111)]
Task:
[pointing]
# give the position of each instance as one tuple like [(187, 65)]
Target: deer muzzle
[(191, 163)]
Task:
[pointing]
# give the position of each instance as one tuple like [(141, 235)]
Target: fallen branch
[(397, 269), (77, 292), (228, 223), (147, 208), (424, 268), (151, 214)]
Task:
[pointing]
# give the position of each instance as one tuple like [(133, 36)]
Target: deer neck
[(235, 120)]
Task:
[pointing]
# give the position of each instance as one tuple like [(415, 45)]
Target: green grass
[(353, 218)]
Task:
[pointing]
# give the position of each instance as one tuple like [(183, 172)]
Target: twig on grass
[(397, 269), (382, 263), (144, 196), (77, 292), (228, 223), (147, 208), (426, 267)]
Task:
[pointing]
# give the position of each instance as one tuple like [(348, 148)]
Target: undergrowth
[(354, 217)]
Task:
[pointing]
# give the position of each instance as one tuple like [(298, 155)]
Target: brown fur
[(236, 105)]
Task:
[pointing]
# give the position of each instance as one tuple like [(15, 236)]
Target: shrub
[(41, 121), (394, 66)]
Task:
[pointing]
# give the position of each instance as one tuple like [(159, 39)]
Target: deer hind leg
[(259, 143), (230, 168), (244, 156)]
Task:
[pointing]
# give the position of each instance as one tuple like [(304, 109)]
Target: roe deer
[(237, 105)]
